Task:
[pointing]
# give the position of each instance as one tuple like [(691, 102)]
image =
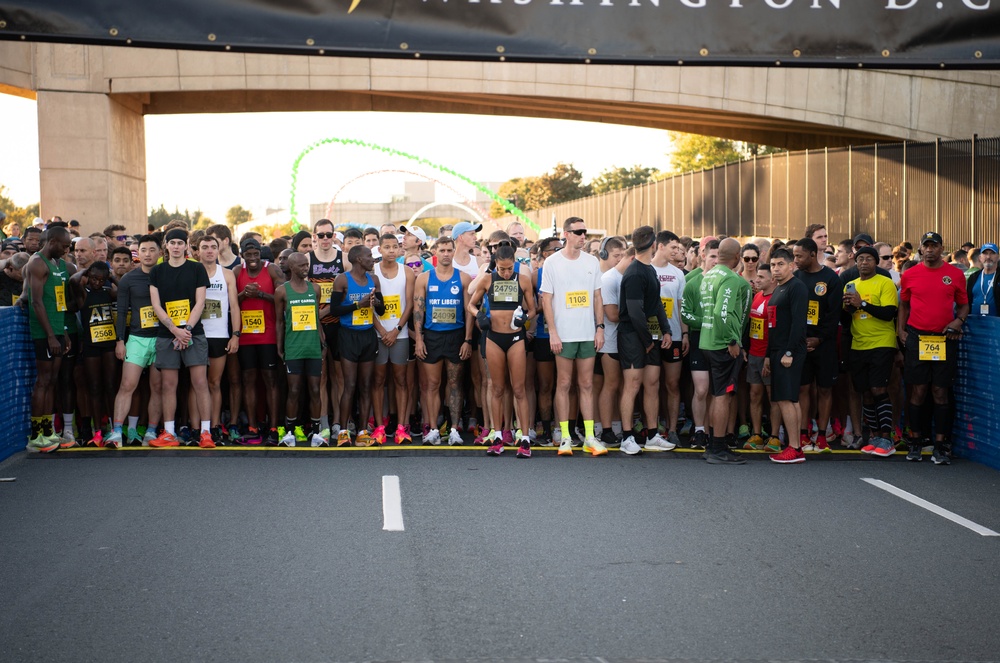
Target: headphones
[(603, 252)]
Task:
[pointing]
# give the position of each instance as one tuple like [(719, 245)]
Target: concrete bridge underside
[(92, 100)]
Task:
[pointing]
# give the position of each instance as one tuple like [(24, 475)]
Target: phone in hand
[(850, 288)]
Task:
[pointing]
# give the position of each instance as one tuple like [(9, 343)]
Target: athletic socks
[(206, 426), (588, 428), (699, 429), (324, 422), (68, 421), (316, 423), (598, 428), (116, 427), (564, 429), (133, 422), (169, 427), (616, 428)]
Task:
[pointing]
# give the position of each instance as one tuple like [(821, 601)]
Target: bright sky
[(212, 162)]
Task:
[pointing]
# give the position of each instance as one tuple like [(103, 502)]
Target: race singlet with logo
[(445, 302)]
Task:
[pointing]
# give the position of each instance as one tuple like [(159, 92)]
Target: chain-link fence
[(894, 191)]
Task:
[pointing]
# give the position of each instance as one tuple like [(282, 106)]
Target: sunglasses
[(121, 238), (886, 257), (324, 235), (751, 258), (579, 232), (503, 242)]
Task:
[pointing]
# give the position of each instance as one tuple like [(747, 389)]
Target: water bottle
[(518, 315)]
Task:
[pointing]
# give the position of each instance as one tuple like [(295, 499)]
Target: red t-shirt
[(759, 325), (932, 295)]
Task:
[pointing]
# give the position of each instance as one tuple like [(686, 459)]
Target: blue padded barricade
[(976, 434), (17, 366)]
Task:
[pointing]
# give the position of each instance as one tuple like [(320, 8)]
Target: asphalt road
[(244, 558)]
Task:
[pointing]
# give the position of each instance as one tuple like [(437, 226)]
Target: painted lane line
[(933, 508), (392, 504)]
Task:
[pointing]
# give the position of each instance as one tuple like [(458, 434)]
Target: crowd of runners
[(376, 336)]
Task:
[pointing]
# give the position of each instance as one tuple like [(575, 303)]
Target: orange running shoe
[(206, 441), (164, 439)]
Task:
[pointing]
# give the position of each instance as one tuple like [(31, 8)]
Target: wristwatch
[(600, 325), (864, 304), (732, 343), (399, 328), (788, 353), (237, 333), (188, 328)]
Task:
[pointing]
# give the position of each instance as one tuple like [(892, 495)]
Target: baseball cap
[(37, 221), (862, 237), (867, 250), (249, 244), (463, 227), (989, 247), (931, 237), (416, 231), (74, 223), (704, 242), (8, 244)]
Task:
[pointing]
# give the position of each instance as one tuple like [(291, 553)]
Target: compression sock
[(870, 415), (588, 428), (942, 420), (914, 414), (133, 422), (883, 412)]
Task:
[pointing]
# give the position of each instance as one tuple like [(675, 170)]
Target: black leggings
[(505, 341)]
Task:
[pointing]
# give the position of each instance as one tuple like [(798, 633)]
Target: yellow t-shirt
[(867, 331)]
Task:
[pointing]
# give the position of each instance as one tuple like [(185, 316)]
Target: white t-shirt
[(471, 268), (572, 284), (672, 282), (611, 285), (394, 296)]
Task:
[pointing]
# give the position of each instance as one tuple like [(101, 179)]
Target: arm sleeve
[(338, 309)]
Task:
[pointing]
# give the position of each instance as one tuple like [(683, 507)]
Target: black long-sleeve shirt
[(639, 299), (826, 300), (786, 318)]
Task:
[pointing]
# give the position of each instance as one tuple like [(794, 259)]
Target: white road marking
[(933, 508), (392, 504)]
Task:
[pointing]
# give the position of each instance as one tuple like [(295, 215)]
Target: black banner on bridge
[(846, 33)]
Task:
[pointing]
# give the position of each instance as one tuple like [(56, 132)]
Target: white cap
[(416, 231)]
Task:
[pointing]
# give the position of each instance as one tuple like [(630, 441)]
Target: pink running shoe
[(402, 434), (378, 435), (495, 449)]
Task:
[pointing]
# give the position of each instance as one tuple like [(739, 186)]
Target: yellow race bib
[(304, 318), (444, 315), (363, 316), (147, 318), (812, 313), (757, 328), (578, 299), (253, 322), (933, 348), (393, 307), (653, 324), (60, 297), (325, 291), (212, 310), (506, 291), (102, 333), (179, 311), (668, 305)]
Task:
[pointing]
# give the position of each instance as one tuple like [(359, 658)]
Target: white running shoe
[(629, 446), (594, 446), (288, 440), (455, 437), (565, 448), (433, 437), (316, 440), (660, 444)]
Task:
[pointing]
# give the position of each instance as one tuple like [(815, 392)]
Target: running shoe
[(577, 437), (609, 439), (205, 440), (849, 441), (821, 445), (594, 447), (343, 438), (455, 437), (164, 439), (788, 456), (629, 446), (744, 432), (133, 438), (508, 438), (371, 423), (185, 435), (287, 440), (363, 439), (218, 436), (524, 450), (433, 436), (325, 434), (67, 440), (317, 440), (378, 435), (661, 428), (300, 435), (565, 448), (731, 442), (673, 438), (402, 435), (114, 440), (658, 443), (941, 456), (836, 427), (270, 440), (883, 447), (473, 426), (723, 457), (148, 437), (773, 445), (496, 444), (914, 453), (805, 443), (42, 444), (870, 447), (482, 437), (234, 434), (252, 436), (754, 443), (687, 427), (699, 439)]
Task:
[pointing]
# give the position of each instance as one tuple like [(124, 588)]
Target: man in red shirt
[(764, 283), (933, 306)]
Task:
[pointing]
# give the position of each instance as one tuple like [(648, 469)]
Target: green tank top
[(54, 298), (302, 323)]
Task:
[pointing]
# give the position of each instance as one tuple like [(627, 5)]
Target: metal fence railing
[(894, 191)]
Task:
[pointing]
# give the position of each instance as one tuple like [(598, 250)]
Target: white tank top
[(394, 295), (215, 317)]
